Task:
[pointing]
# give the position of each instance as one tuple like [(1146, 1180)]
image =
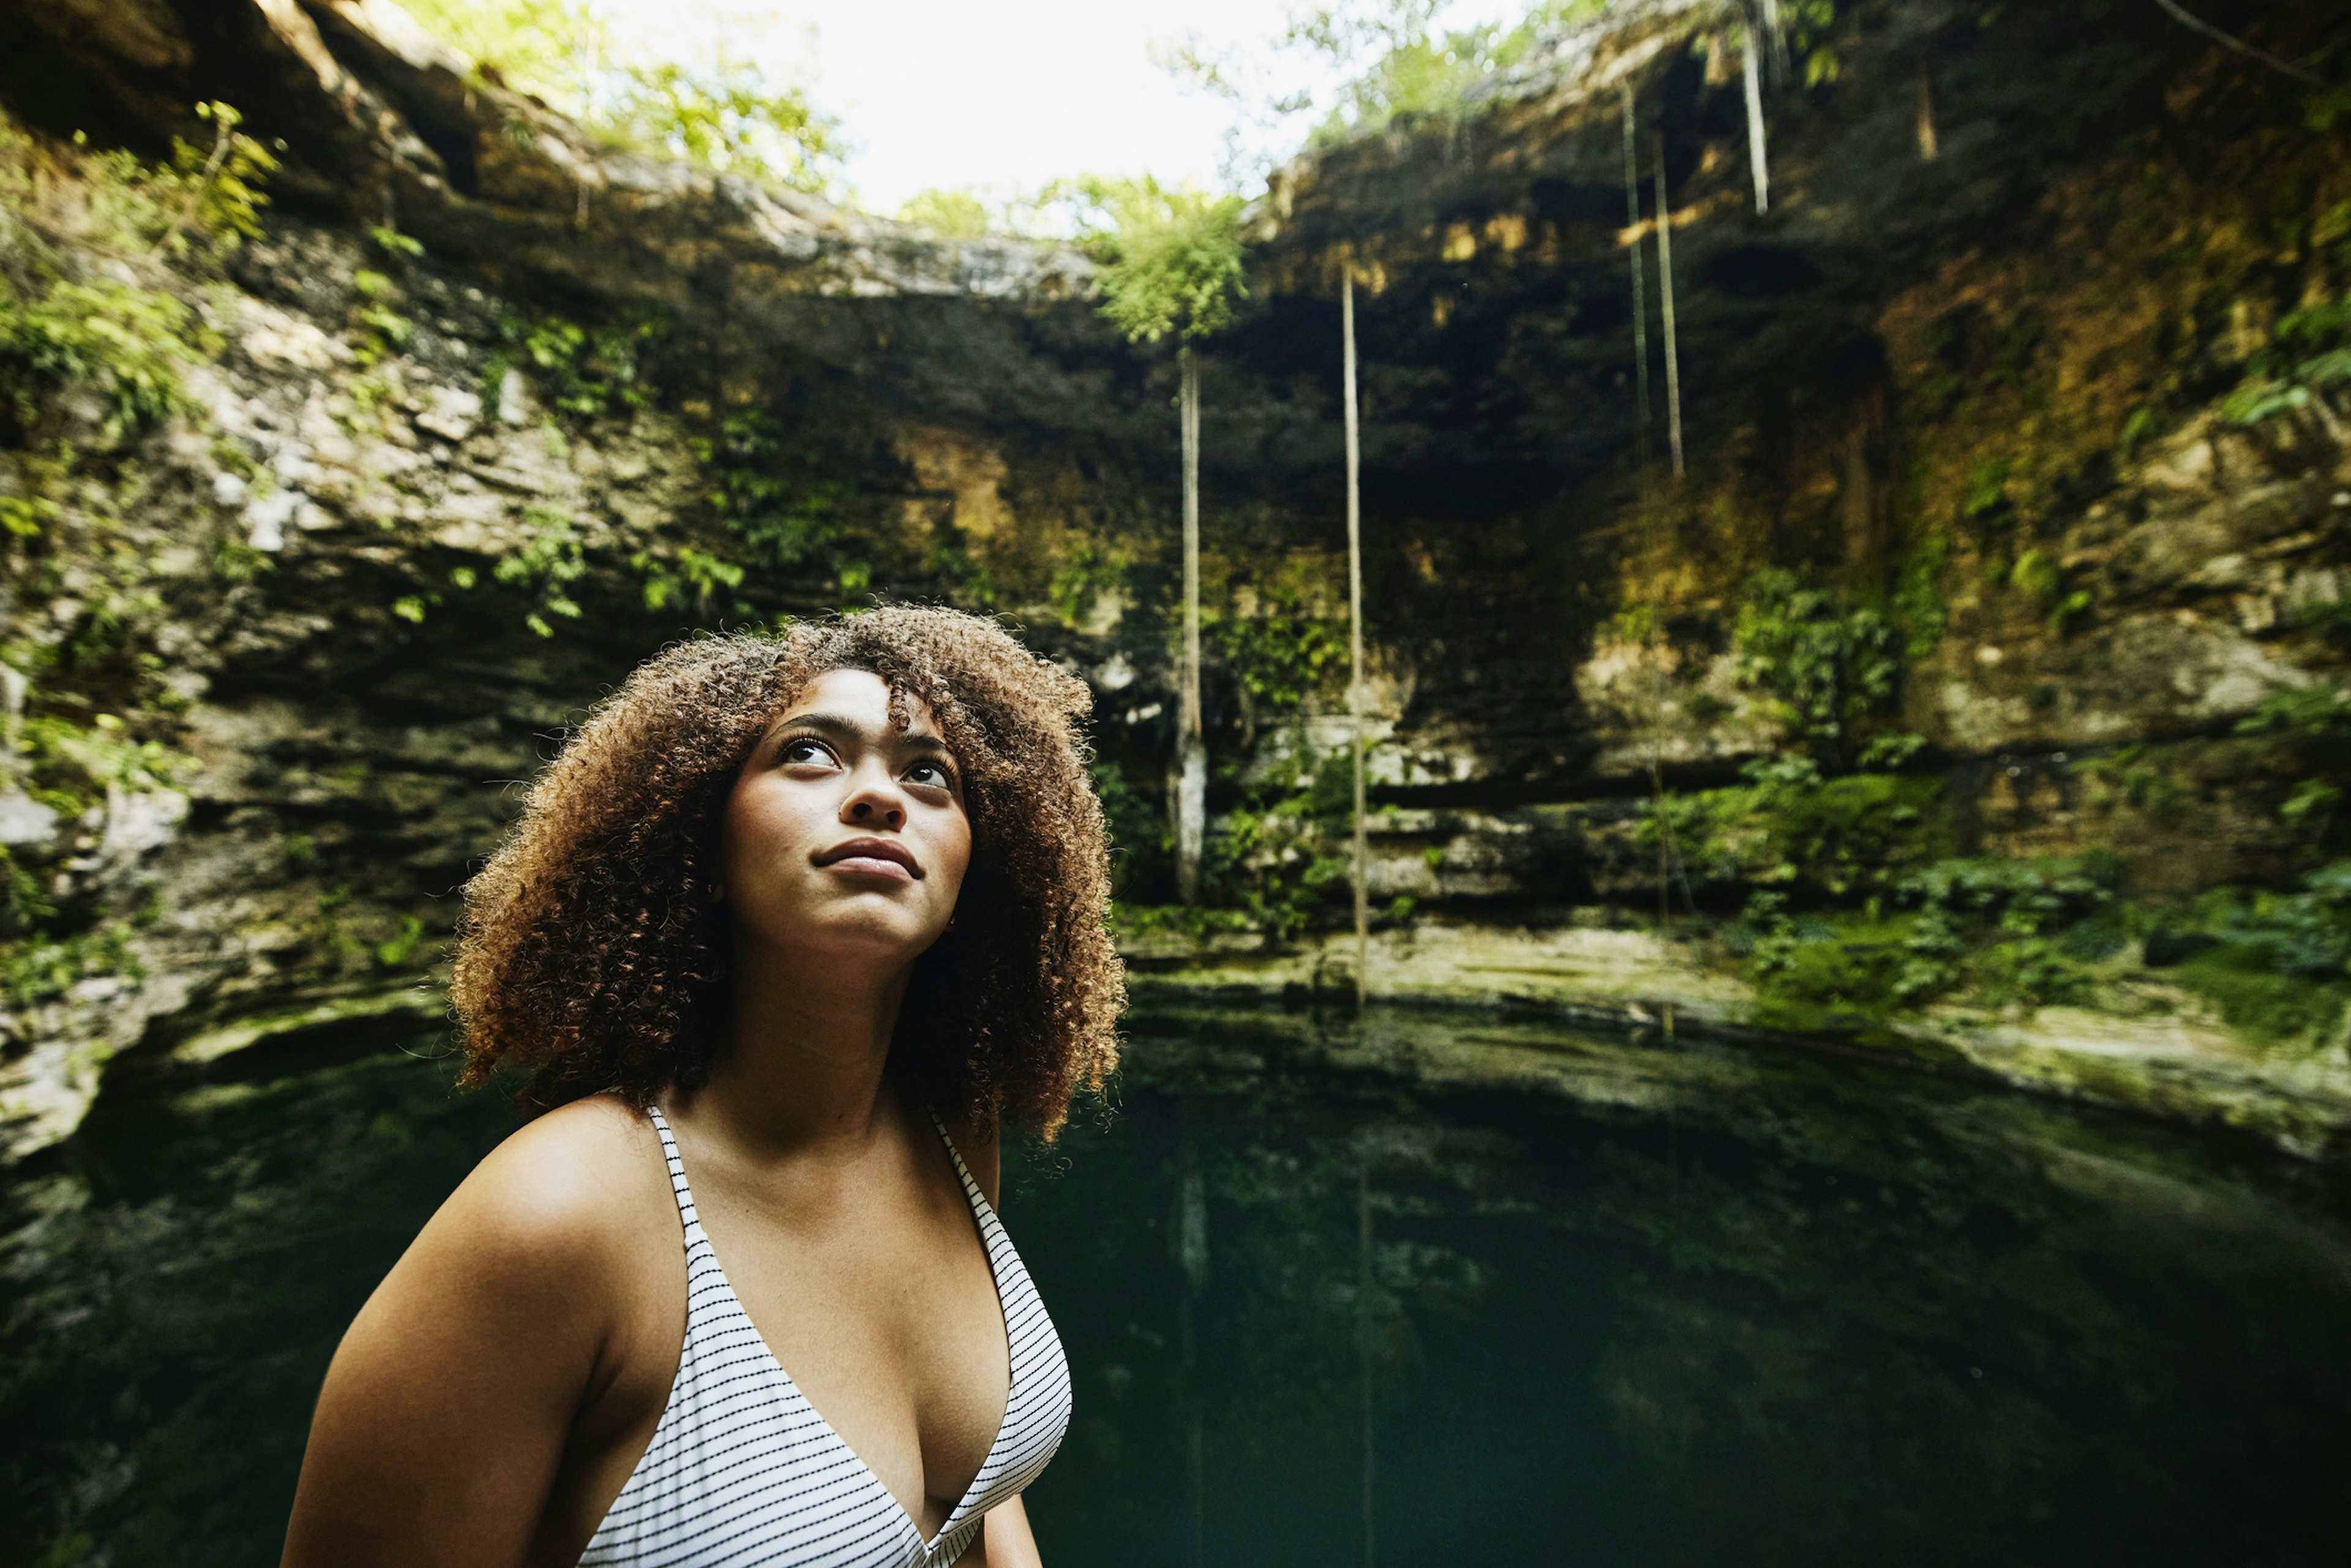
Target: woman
[(805, 919)]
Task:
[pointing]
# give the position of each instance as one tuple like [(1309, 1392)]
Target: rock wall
[(1906, 378), (485, 411)]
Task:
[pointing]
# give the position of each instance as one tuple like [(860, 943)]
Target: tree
[(1349, 66), (716, 108), (1172, 264), (1355, 632), (953, 213), (725, 112)]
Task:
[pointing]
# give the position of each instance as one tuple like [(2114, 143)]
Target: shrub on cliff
[(87, 301), (718, 107)]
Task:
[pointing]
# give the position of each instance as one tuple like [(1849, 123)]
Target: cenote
[(1491, 1290)]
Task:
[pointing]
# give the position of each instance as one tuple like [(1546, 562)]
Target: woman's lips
[(867, 866), (881, 858)]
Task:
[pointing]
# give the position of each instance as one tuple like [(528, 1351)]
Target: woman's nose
[(875, 803)]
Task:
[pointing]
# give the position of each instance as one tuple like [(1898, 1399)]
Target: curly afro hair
[(594, 953)]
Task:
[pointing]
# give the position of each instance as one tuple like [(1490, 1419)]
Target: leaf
[(2311, 796)]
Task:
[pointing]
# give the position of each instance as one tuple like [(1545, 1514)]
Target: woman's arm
[(1005, 1540), (447, 1410)]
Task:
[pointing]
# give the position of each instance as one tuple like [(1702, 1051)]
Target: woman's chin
[(879, 938)]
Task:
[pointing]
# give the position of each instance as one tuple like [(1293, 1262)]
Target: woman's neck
[(805, 1057)]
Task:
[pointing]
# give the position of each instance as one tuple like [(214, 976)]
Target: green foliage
[(26, 905), (689, 576), (2306, 933), (125, 342), (2037, 575), (69, 766), (27, 517), (1987, 487), (1193, 921), (1920, 609), (1810, 970), (1285, 652), (958, 214), (67, 321), (1171, 257), (223, 183), (2269, 1005), (1278, 859), (2281, 967), (779, 500), (967, 212), (96, 334), (719, 109), (1995, 933), (2125, 777), (395, 245), (1788, 826), (586, 371), (1351, 68), (726, 113), (548, 560), (2018, 897), (2318, 719), (395, 952), (1274, 866), (1140, 843), (2311, 798), (1806, 24), (40, 970), (1989, 925), (1089, 571), (378, 330), (2316, 711), (1402, 65), (549, 48), (1830, 671), (2310, 353)]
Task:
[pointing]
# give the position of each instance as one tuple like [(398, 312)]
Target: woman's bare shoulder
[(462, 1377), (570, 1188)]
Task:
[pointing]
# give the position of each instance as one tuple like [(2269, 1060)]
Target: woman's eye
[(805, 751), (931, 774)]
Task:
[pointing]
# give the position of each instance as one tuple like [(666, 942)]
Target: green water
[(1510, 1294)]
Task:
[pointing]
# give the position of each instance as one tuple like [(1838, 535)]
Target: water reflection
[(1679, 1305), (1192, 1258), (1420, 1290), (1366, 1287)]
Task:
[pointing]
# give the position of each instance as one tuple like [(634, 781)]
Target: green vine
[(547, 562), (782, 504), (586, 371)]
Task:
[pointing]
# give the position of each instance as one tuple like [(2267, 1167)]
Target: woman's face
[(844, 836)]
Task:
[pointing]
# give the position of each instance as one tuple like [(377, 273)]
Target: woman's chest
[(886, 1318), (869, 1306)]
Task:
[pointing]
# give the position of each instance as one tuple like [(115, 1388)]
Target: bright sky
[(1002, 95)]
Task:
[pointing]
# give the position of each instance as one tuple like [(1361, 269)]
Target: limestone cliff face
[(1911, 375), (428, 499)]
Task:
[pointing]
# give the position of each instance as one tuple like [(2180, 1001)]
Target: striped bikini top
[(742, 1470)]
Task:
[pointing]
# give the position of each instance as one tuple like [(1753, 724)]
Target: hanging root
[(2226, 40)]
